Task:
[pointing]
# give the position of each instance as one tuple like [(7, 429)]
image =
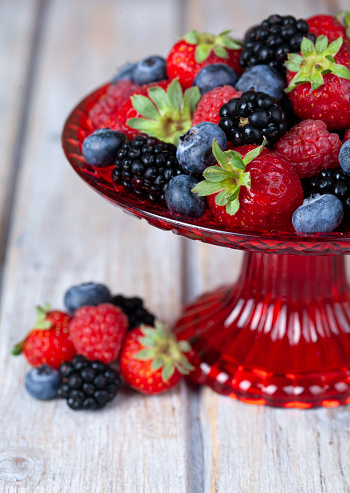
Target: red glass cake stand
[(281, 335)]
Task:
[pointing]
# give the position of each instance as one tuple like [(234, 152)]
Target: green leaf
[(334, 47), (204, 188), (220, 51), (187, 366), (145, 355), (168, 370), (175, 95), (307, 47), (192, 37), (321, 44), (330, 58), (221, 157), (228, 42), (18, 348), (191, 99), (202, 52), (233, 195), (316, 81), (148, 331), (148, 341), (215, 174), (221, 198), (145, 107), (224, 33), (149, 127), (157, 363), (184, 346), (160, 99), (293, 66), (232, 207), (297, 79), (341, 71), (254, 153), (237, 163)]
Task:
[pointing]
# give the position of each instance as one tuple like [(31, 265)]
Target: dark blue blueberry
[(215, 75), (318, 214), (262, 78), (126, 72), (194, 152), (86, 294), (43, 382), (101, 147), (180, 200), (150, 69), (344, 157)]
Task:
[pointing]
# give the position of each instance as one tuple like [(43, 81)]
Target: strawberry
[(211, 102), (196, 50), (251, 188), (152, 360), (49, 342), (156, 112), (116, 95), (98, 331), (319, 82), (309, 147), (329, 26)]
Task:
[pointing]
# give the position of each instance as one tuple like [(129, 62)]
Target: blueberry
[(180, 200), (344, 157), (318, 214), (86, 294), (43, 382), (262, 78), (150, 69), (215, 75), (126, 72), (101, 147), (194, 152)]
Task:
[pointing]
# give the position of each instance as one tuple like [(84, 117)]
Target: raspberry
[(208, 107), (98, 332), (116, 95), (309, 147)]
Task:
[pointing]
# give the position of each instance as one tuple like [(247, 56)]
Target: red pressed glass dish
[(281, 335)]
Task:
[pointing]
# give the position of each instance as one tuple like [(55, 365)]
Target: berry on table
[(101, 147), (251, 188), (150, 69), (215, 75), (88, 385), (144, 166), (211, 102), (197, 50), (270, 42), (194, 152), (250, 118), (49, 342), (135, 311), (87, 293), (152, 360), (318, 214), (344, 157), (181, 200), (263, 78), (98, 331), (309, 147), (42, 382)]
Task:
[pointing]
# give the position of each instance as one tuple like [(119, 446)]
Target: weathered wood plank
[(63, 233), (17, 34)]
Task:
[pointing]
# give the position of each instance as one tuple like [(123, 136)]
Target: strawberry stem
[(18, 348)]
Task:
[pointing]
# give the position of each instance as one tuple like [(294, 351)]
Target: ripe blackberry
[(144, 166), (250, 118), (86, 384), (333, 181), (270, 42), (134, 310)]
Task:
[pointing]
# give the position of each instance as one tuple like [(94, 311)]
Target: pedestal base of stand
[(280, 336)]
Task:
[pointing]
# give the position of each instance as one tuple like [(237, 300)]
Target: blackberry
[(250, 118), (333, 181), (144, 166), (86, 384), (134, 310), (270, 42)]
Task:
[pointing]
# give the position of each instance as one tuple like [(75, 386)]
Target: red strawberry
[(319, 82), (98, 331), (152, 359), (49, 342), (116, 95), (309, 147), (189, 55), (208, 107), (327, 25), (154, 111), (251, 188)]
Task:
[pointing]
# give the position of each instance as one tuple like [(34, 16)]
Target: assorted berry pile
[(247, 133), (84, 354)]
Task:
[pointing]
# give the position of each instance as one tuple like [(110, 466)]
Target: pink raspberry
[(309, 147), (116, 95), (208, 107)]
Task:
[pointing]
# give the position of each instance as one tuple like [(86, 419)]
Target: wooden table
[(55, 232)]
